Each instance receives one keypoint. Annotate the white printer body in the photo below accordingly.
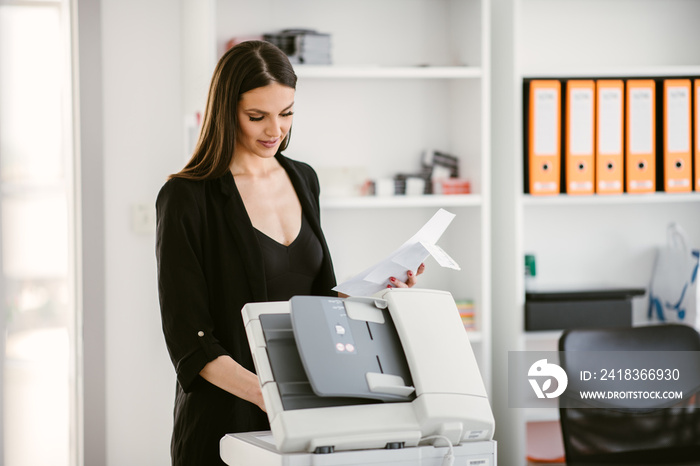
(388, 371)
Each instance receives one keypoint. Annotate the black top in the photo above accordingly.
(291, 270)
(210, 264)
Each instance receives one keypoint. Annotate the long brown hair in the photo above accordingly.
(246, 66)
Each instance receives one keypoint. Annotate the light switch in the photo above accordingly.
(143, 218)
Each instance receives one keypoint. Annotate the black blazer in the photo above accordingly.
(209, 266)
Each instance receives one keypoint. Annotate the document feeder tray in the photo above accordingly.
(319, 357)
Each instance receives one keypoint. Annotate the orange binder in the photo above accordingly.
(677, 160)
(697, 134)
(640, 156)
(544, 137)
(579, 151)
(609, 136)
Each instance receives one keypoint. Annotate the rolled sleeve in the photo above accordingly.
(189, 367)
(182, 287)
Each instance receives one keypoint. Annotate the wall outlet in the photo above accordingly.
(143, 218)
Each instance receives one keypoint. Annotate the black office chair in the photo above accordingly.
(652, 434)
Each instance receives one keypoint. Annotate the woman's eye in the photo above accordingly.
(290, 113)
(252, 118)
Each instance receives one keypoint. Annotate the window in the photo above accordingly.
(39, 318)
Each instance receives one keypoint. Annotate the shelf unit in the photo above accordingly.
(621, 199)
(378, 202)
(407, 76)
(576, 240)
(387, 72)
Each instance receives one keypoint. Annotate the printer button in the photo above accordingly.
(340, 330)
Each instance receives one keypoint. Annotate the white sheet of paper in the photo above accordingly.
(441, 256)
(407, 257)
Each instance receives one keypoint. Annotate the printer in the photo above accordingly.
(391, 371)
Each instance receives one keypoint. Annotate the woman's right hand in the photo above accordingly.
(410, 281)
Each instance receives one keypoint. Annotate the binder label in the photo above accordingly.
(581, 125)
(610, 124)
(641, 184)
(545, 186)
(677, 121)
(546, 115)
(581, 186)
(679, 182)
(641, 127)
(609, 185)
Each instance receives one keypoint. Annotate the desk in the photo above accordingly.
(258, 448)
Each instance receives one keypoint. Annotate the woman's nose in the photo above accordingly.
(274, 129)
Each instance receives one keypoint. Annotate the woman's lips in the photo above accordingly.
(269, 144)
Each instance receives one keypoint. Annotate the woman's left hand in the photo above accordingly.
(410, 281)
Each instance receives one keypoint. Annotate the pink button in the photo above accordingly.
(350, 347)
(340, 347)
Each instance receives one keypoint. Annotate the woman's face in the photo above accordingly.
(264, 120)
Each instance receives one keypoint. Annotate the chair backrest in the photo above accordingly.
(666, 435)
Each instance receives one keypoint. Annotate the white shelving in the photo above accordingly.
(387, 72)
(581, 240)
(629, 199)
(610, 71)
(407, 76)
(376, 202)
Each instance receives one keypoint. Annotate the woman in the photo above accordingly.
(240, 223)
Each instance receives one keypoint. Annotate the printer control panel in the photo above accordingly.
(338, 326)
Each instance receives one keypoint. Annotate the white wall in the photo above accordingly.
(142, 145)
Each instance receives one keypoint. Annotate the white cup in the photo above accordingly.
(384, 187)
(415, 186)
